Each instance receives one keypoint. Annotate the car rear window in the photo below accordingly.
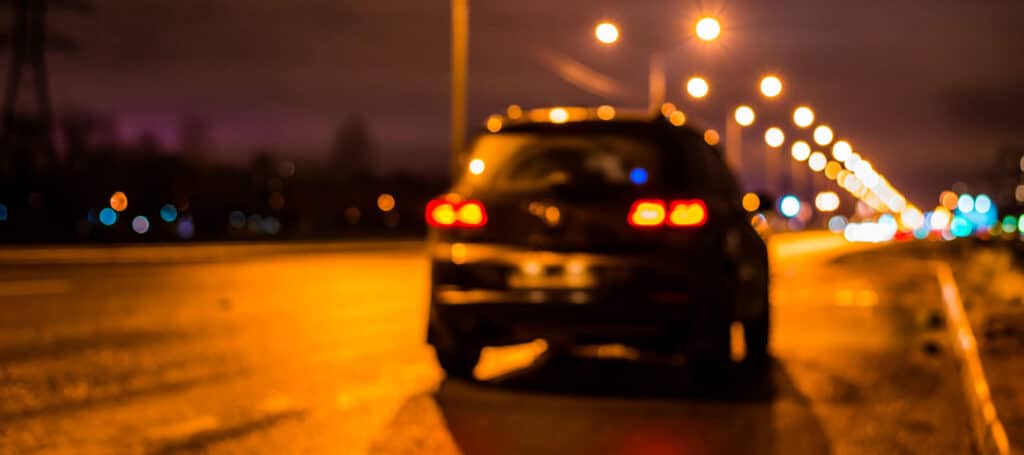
(532, 161)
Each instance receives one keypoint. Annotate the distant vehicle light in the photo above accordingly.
(140, 224)
(558, 115)
(647, 213)
(960, 227)
(605, 112)
(688, 213)
(108, 216)
(789, 206)
(445, 213)
(638, 176)
(940, 219)
(827, 201)
(837, 224)
(168, 213)
(119, 201)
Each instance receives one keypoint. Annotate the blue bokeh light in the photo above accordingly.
(3, 212)
(168, 213)
(638, 176)
(789, 206)
(960, 227)
(108, 216)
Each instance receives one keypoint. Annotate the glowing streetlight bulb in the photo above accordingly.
(745, 116)
(823, 135)
(607, 32)
(827, 201)
(801, 151)
(697, 87)
(803, 117)
(558, 115)
(771, 86)
(774, 137)
(708, 29)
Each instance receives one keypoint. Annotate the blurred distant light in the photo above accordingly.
(477, 166)
(119, 201)
(108, 216)
(817, 161)
(711, 137)
(605, 112)
(606, 32)
(771, 86)
(852, 161)
(759, 222)
(823, 135)
(774, 137)
(698, 87)
(386, 202)
(983, 203)
(1022, 163)
(801, 151)
(92, 216)
(3, 212)
(276, 200)
(140, 224)
(494, 123)
(168, 213)
(558, 115)
(514, 112)
(960, 227)
(841, 150)
(941, 218)
(678, 118)
(255, 222)
(803, 117)
(1020, 224)
(708, 29)
(667, 109)
(826, 201)
(271, 225)
(949, 200)
(882, 231)
(286, 168)
(751, 202)
(832, 170)
(638, 176)
(837, 223)
(912, 218)
(1010, 224)
(789, 206)
(236, 219)
(186, 228)
(1019, 193)
(965, 204)
(744, 116)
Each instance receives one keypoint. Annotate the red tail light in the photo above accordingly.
(647, 213)
(688, 213)
(446, 213)
(680, 213)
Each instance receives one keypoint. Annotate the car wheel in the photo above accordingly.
(458, 361)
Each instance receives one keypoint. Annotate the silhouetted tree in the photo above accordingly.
(194, 136)
(351, 154)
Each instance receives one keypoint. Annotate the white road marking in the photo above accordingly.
(34, 287)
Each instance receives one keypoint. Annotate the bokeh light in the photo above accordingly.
(801, 151)
(558, 115)
(744, 116)
(774, 137)
(677, 118)
(771, 86)
(605, 112)
(941, 218)
(186, 228)
(826, 201)
(823, 135)
(711, 137)
(119, 201)
(837, 223)
(949, 200)
(140, 224)
(832, 170)
(960, 227)
(697, 87)
(803, 117)
(789, 206)
(3, 212)
(477, 166)
(965, 204)
(494, 123)
(606, 32)
(708, 29)
(168, 213)
(514, 111)
(638, 176)
(982, 204)
(817, 161)
(751, 202)
(386, 202)
(842, 150)
(108, 216)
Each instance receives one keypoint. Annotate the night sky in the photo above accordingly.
(926, 90)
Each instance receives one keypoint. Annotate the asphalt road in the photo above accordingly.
(320, 350)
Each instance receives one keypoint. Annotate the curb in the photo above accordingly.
(987, 430)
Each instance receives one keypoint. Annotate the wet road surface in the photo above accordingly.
(323, 352)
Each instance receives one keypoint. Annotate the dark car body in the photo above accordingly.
(558, 250)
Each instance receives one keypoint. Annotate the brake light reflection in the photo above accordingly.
(447, 213)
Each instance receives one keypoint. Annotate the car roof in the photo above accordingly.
(584, 119)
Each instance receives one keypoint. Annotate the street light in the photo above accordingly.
(771, 86)
(774, 137)
(817, 161)
(842, 150)
(801, 151)
(708, 29)
(803, 116)
(823, 135)
(607, 32)
(697, 87)
(744, 116)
